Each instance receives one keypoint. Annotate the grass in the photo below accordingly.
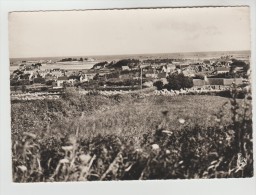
(137, 117)
(127, 136)
(127, 116)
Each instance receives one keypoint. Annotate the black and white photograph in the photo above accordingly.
(131, 94)
(127, 97)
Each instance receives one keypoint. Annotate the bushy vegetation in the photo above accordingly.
(130, 137)
(124, 62)
(179, 81)
(159, 85)
(158, 61)
(175, 82)
(100, 64)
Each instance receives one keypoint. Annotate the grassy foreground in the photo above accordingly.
(130, 137)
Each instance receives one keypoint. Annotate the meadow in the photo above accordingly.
(130, 137)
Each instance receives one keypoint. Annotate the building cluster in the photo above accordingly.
(33, 73)
(189, 68)
(56, 77)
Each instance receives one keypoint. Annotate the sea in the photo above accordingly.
(99, 58)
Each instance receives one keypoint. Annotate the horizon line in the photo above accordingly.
(131, 54)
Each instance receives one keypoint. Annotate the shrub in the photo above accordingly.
(39, 80)
(179, 81)
(159, 85)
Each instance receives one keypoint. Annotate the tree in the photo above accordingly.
(237, 63)
(23, 88)
(39, 80)
(158, 84)
(18, 72)
(49, 82)
(38, 65)
(179, 81)
(96, 77)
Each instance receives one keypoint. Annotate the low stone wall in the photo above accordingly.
(34, 96)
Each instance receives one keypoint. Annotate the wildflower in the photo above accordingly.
(181, 121)
(23, 168)
(32, 135)
(85, 158)
(155, 147)
(217, 120)
(72, 139)
(231, 132)
(64, 160)
(241, 161)
(139, 150)
(214, 162)
(67, 148)
(128, 168)
(167, 151)
(167, 132)
(84, 169)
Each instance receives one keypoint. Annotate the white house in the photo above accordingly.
(83, 78)
(61, 80)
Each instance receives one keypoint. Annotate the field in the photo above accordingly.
(131, 136)
(123, 115)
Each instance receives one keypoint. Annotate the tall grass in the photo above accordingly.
(125, 137)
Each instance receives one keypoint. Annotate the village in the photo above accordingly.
(118, 76)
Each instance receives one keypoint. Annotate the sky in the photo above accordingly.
(136, 31)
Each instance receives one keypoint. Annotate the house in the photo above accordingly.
(198, 82)
(91, 76)
(164, 80)
(125, 68)
(214, 81)
(125, 76)
(220, 70)
(83, 78)
(188, 73)
(61, 80)
(150, 74)
(237, 81)
(28, 72)
(68, 73)
(148, 84)
(72, 79)
(224, 62)
(49, 77)
(43, 73)
(57, 73)
(171, 67)
(97, 67)
(182, 65)
(168, 68)
(54, 84)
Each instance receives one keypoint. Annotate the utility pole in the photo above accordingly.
(141, 77)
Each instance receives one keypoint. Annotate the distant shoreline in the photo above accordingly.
(121, 56)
